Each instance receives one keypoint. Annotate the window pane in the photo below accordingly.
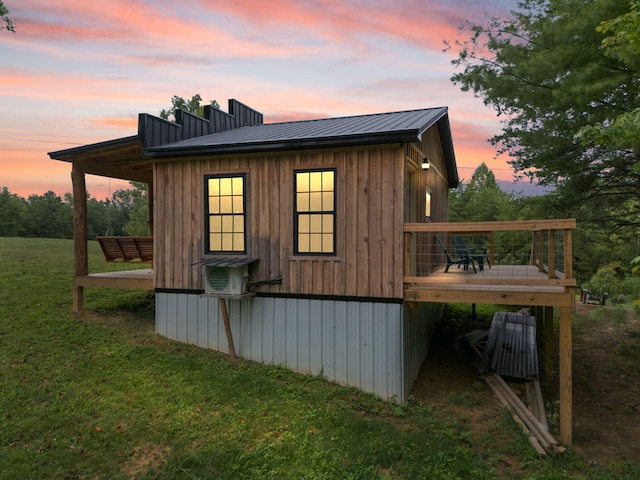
(238, 241)
(327, 243)
(227, 223)
(215, 224)
(303, 223)
(226, 205)
(237, 186)
(315, 202)
(303, 243)
(315, 242)
(214, 204)
(327, 201)
(225, 186)
(302, 182)
(315, 181)
(327, 181)
(238, 224)
(303, 202)
(214, 187)
(316, 223)
(327, 223)
(237, 205)
(227, 241)
(215, 241)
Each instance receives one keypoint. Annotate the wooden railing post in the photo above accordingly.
(407, 253)
(552, 254)
(568, 254)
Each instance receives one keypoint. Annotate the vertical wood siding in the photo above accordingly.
(370, 217)
(352, 343)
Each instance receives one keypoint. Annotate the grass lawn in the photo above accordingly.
(99, 395)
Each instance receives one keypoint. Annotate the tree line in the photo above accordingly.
(51, 216)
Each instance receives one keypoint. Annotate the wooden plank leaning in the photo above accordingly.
(509, 399)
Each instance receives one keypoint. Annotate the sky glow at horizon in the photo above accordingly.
(77, 72)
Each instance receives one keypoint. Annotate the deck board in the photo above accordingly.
(502, 285)
(137, 279)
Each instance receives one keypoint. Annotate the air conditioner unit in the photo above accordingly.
(225, 280)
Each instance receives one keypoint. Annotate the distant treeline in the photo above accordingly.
(51, 216)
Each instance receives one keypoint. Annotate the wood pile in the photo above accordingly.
(532, 416)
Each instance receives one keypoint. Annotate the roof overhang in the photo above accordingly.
(121, 158)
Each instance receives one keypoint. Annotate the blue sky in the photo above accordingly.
(78, 72)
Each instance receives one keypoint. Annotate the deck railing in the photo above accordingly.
(536, 252)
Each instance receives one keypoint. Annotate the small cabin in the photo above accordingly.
(283, 242)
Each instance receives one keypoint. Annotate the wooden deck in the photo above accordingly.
(137, 279)
(501, 285)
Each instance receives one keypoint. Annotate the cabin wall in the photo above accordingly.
(418, 182)
(369, 189)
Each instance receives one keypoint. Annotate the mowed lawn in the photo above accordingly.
(99, 395)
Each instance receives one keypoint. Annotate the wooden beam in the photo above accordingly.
(548, 344)
(103, 281)
(469, 227)
(227, 327)
(80, 255)
(565, 364)
(501, 296)
(491, 280)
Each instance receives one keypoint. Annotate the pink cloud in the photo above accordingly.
(123, 123)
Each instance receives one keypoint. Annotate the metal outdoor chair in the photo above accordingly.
(464, 251)
(464, 260)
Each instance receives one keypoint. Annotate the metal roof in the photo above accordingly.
(406, 126)
(131, 158)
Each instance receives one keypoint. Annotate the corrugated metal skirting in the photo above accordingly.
(511, 346)
(362, 344)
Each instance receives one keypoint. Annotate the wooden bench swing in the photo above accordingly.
(127, 249)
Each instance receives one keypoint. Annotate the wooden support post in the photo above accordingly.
(150, 209)
(407, 254)
(80, 255)
(227, 326)
(566, 398)
(548, 344)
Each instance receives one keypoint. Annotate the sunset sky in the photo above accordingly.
(78, 72)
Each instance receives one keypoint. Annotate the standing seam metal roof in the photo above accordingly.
(398, 126)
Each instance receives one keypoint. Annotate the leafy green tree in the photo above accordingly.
(193, 106)
(4, 15)
(543, 70)
(138, 225)
(622, 42)
(12, 214)
(49, 216)
(480, 200)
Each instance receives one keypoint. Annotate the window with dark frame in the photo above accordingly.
(225, 213)
(315, 212)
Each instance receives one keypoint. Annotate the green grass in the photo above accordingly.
(99, 395)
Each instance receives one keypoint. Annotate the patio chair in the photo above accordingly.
(464, 260)
(463, 250)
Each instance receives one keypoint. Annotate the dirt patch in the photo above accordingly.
(144, 459)
(606, 389)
